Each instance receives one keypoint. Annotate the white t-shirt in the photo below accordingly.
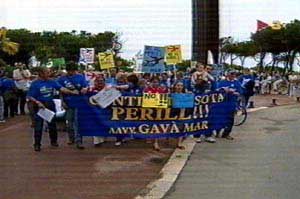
(21, 78)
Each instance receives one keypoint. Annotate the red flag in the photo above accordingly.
(261, 25)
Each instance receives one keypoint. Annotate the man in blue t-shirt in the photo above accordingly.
(75, 82)
(1, 102)
(247, 82)
(41, 93)
(233, 86)
(8, 90)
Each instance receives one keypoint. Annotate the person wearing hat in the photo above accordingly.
(41, 93)
(75, 82)
(232, 86)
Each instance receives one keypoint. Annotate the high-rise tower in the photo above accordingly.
(205, 29)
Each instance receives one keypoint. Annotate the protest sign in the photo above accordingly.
(46, 114)
(182, 100)
(106, 60)
(138, 58)
(173, 54)
(56, 62)
(127, 117)
(153, 61)
(155, 100)
(105, 97)
(86, 55)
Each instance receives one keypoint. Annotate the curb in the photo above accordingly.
(170, 172)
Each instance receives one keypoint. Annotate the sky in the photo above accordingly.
(142, 22)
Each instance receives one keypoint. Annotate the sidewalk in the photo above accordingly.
(262, 162)
(266, 100)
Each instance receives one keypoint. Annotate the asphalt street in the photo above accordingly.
(263, 162)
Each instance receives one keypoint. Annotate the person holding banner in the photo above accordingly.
(233, 86)
(155, 87)
(99, 84)
(75, 82)
(41, 93)
(178, 87)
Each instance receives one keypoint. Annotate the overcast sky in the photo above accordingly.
(142, 22)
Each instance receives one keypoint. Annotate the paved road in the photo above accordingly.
(263, 161)
(107, 172)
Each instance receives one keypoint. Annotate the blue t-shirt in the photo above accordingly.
(74, 82)
(43, 90)
(236, 85)
(111, 81)
(7, 85)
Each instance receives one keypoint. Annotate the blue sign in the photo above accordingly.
(154, 60)
(182, 100)
(127, 118)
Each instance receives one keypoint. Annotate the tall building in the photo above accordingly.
(205, 29)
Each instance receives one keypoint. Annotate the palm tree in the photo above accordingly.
(6, 45)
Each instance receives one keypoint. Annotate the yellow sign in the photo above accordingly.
(277, 25)
(173, 54)
(106, 60)
(155, 100)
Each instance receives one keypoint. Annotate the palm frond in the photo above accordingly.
(3, 32)
(9, 47)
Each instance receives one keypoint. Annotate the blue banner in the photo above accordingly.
(126, 117)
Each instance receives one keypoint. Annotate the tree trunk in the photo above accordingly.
(261, 61)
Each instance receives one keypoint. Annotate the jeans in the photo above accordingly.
(38, 129)
(21, 101)
(9, 107)
(229, 125)
(1, 108)
(72, 126)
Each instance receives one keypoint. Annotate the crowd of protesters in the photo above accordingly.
(39, 88)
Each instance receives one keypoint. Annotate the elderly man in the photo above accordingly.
(21, 75)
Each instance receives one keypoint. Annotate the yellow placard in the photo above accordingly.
(155, 100)
(106, 60)
(173, 54)
(277, 25)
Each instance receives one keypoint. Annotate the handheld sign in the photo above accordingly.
(46, 114)
(106, 97)
(106, 60)
(182, 100)
(87, 55)
(155, 100)
(153, 61)
(173, 54)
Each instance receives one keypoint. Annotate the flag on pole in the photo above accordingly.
(261, 25)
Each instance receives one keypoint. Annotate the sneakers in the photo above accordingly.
(37, 148)
(70, 142)
(229, 137)
(210, 140)
(118, 143)
(199, 140)
(79, 146)
(54, 144)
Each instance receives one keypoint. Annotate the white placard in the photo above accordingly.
(60, 111)
(106, 97)
(46, 114)
(87, 55)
